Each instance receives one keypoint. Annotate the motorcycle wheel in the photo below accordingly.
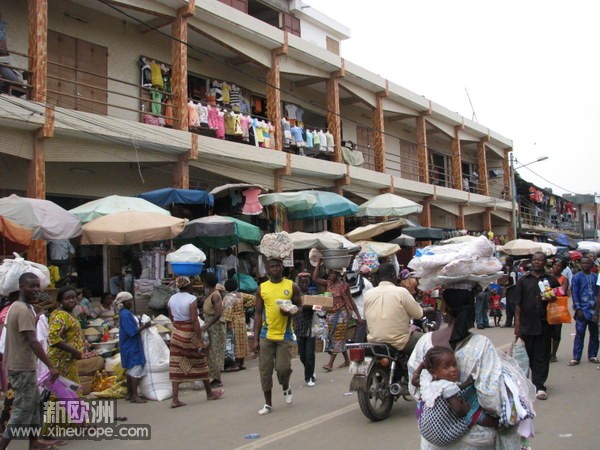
(376, 401)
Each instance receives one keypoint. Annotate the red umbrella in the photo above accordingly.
(13, 237)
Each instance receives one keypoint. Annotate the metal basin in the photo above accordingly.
(336, 262)
(335, 252)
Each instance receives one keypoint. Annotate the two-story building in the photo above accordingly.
(126, 96)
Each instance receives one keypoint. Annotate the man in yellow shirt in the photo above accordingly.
(273, 337)
(388, 310)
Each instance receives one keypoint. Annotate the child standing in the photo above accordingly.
(449, 409)
(495, 307)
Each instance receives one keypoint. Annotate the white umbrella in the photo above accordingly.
(522, 247)
(369, 231)
(302, 240)
(44, 218)
(389, 204)
(292, 201)
(225, 188)
(113, 204)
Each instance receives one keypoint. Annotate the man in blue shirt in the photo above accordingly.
(584, 291)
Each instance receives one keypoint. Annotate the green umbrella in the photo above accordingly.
(220, 232)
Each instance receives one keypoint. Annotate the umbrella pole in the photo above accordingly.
(105, 267)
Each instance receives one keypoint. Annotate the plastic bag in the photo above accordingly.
(155, 351)
(319, 326)
(558, 311)
(12, 269)
(519, 353)
(156, 386)
(160, 297)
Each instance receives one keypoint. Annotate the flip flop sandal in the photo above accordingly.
(594, 360)
(573, 362)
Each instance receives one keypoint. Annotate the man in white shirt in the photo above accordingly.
(388, 310)
(230, 260)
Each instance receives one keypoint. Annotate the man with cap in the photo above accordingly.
(273, 335)
(130, 345)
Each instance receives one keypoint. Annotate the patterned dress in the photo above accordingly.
(337, 318)
(234, 311)
(64, 327)
(217, 334)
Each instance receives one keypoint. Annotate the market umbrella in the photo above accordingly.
(404, 241)
(522, 247)
(369, 231)
(114, 204)
(328, 206)
(302, 240)
(424, 233)
(389, 204)
(168, 196)
(220, 232)
(562, 239)
(46, 219)
(292, 201)
(13, 237)
(382, 249)
(131, 227)
(588, 246)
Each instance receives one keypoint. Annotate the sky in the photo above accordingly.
(531, 69)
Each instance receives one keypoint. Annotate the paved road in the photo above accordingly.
(323, 417)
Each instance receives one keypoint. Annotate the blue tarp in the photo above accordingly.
(168, 196)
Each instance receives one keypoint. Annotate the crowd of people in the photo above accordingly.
(47, 336)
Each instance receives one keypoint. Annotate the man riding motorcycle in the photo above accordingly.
(388, 310)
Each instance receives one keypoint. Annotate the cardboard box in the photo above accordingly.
(319, 300)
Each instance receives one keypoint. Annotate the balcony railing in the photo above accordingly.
(533, 216)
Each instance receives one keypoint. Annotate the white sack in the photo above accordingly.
(156, 386)
(187, 253)
(12, 269)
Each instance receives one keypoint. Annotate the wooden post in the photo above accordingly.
(422, 149)
(426, 213)
(37, 22)
(284, 171)
(506, 175)
(460, 218)
(334, 122)
(379, 129)
(457, 160)
(274, 93)
(487, 220)
(482, 167)
(179, 69)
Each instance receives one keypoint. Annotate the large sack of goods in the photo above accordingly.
(12, 269)
(472, 260)
(156, 384)
(276, 245)
(187, 253)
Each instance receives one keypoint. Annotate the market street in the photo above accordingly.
(326, 418)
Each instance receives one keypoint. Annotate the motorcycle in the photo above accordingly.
(380, 374)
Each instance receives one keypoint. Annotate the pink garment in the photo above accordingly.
(244, 125)
(220, 125)
(252, 206)
(213, 117)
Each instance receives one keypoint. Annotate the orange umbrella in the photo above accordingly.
(13, 237)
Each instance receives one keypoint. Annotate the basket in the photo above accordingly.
(336, 262)
(335, 252)
(186, 269)
(86, 384)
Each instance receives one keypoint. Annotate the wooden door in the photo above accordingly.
(77, 74)
(92, 70)
(364, 144)
(62, 59)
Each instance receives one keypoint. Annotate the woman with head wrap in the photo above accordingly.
(216, 327)
(476, 356)
(187, 360)
(130, 345)
(408, 282)
(338, 316)
(235, 304)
